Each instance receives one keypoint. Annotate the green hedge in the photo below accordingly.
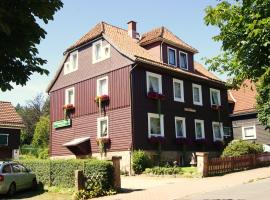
(61, 172)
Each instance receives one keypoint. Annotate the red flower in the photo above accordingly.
(156, 96)
(102, 98)
(104, 140)
(68, 107)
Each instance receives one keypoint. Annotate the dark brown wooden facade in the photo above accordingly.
(13, 142)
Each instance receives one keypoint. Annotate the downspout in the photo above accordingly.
(132, 117)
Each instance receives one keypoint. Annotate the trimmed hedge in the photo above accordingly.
(61, 172)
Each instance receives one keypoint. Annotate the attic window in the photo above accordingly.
(171, 56)
(99, 52)
(72, 65)
(183, 60)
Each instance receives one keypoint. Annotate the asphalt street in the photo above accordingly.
(254, 190)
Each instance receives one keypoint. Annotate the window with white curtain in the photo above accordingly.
(197, 94)
(102, 127)
(199, 129)
(180, 127)
(102, 86)
(178, 90)
(171, 56)
(155, 125)
(217, 131)
(70, 96)
(183, 60)
(215, 96)
(154, 82)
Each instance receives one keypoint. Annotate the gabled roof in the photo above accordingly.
(163, 33)
(9, 118)
(201, 70)
(130, 48)
(244, 98)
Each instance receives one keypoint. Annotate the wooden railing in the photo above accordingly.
(216, 166)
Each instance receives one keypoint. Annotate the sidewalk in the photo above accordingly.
(154, 188)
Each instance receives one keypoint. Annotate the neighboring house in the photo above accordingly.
(244, 115)
(154, 88)
(10, 127)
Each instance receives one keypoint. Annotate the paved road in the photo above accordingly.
(258, 190)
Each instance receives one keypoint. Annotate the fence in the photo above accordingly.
(216, 166)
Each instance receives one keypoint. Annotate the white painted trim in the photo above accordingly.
(161, 118)
(182, 99)
(66, 96)
(215, 90)
(94, 60)
(200, 103)
(202, 125)
(221, 131)
(98, 126)
(77, 61)
(184, 126)
(180, 59)
(107, 85)
(170, 48)
(232, 96)
(103, 50)
(66, 69)
(249, 138)
(159, 81)
(7, 138)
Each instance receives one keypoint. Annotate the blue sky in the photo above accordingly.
(184, 18)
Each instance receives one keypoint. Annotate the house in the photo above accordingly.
(10, 127)
(244, 115)
(135, 92)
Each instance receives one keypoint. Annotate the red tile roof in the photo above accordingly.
(9, 117)
(201, 70)
(244, 98)
(163, 33)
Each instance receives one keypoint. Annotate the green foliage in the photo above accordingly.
(60, 173)
(87, 194)
(245, 36)
(44, 153)
(241, 147)
(28, 151)
(181, 171)
(41, 135)
(140, 161)
(20, 32)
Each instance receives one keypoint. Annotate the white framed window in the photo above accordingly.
(199, 129)
(183, 60)
(155, 125)
(103, 127)
(72, 64)
(171, 56)
(217, 128)
(154, 82)
(215, 97)
(102, 86)
(100, 52)
(197, 94)
(180, 127)
(70, 96)
(249, 132)
(178, 90)
(3, 139)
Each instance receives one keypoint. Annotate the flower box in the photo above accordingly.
(157, 139)
(155, 96)
(103, 140)
(103, 100)
(69, 107)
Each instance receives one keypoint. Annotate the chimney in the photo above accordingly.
(132, 31)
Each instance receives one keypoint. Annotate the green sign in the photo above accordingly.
(61, 123)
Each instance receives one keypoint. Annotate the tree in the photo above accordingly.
(19, 35)
(245, 35)
(41, 135)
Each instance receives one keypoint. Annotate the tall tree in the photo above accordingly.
(19, 35)
(245, 35)
(41, 135)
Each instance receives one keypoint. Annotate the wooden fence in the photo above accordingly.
(216, 166)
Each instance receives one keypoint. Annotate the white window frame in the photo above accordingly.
(71, 57)
(202, 125)
(200, 103)
(180, 59)
(98, 126)
(98, 85)
(182, 99)
(159, 81)
(103, 50)
(66, 95)
(7, 139)
(168, 57)
(218, 91)
(161, 118)
(249, 138)
(94, 60)
(184, 126)
(67, 69)
(221, 131)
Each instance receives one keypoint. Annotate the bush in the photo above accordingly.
(43, 153)
(240, 147)
(163, 171)
(140, 161)
(61, 172)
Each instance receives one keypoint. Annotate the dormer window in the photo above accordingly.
(72, 65)
(99, 52)
(171, 56)
(183, 60)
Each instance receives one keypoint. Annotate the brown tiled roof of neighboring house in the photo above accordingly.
(162, 33)
(201, 70)
(9, 118)
(129, 47)
(244, 98)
